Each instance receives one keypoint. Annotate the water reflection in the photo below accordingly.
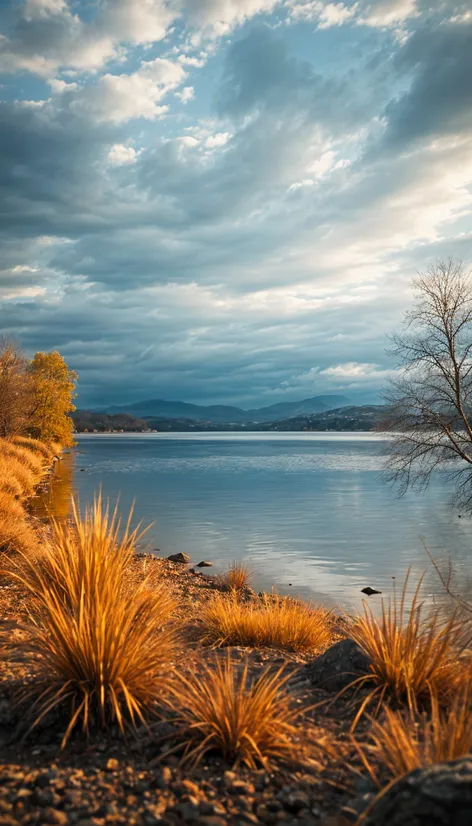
(307, 512)
(55, 498)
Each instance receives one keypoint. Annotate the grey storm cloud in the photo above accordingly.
(439, 100)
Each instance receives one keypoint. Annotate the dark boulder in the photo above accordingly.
(339, 666)
(439, 795)
(180, 557)
(204, 564)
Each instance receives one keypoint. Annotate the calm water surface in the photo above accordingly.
(308, 512)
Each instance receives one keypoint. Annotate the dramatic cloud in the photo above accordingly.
(226, 199)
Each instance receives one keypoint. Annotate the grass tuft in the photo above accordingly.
(401, 743)
(14, 471)
(35, 446)
(248, 721)
(101, 650)
(272, 622)
(24, 456)
(414, 653)
(16, 533)
(238, 577)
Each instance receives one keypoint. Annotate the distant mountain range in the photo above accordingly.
(349, 418)
(220, 413)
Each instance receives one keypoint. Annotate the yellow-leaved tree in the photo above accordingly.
(53, 389)
(14, 389)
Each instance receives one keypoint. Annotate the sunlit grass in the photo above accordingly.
(413, 651)
(237, 577)
(248, 721)
(403, 742)
(24, 456)
(101, 650)
(14, 471)
(16, 533)
(272, 621)
(35, 446)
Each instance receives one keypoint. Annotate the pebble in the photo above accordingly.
(56, 816)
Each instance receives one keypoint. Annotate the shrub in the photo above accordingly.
(414, 652)
(274, 622)
(101, 650)
(401, 743)
(249, 721)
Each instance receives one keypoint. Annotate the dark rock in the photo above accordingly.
(339, 666)
(439, 795)
(370, 591)
(180, 557)
(204, 564)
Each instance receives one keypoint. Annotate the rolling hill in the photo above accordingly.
(217, 414)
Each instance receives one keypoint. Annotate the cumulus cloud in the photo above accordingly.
(120, 98)
(120, 155)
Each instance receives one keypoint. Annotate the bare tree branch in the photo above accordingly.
(431, 399)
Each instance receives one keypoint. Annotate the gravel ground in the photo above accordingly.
(105, 780)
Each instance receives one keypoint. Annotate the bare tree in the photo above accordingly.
(14, 389)
(431, 398)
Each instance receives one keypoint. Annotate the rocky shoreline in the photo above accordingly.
(105, 780)
(140, 780)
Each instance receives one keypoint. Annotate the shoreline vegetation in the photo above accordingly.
(138, 690)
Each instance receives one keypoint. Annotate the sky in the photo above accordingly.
(226, 200)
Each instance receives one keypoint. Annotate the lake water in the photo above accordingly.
(308, 512)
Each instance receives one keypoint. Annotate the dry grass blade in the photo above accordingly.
(237, 577)
(401, 743)
(247, 721)
(272, 622)
(414, 653)
(99, 649)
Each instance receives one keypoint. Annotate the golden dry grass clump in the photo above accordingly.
(35, 446)
(403, 742)
(24, 456)
(237, 577)
(17, 476)
(272, 622)
(414, 651)
(16, 533)
(248, 721)
(21, 469)
(100, 651)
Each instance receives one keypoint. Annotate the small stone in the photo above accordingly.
(229, 777)
(240, 787)
(204, 564)
(180, 557)
(212, 820)
(112, 764)
(56, 816)
(42, 780)
(207, 807)
(294, 801)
